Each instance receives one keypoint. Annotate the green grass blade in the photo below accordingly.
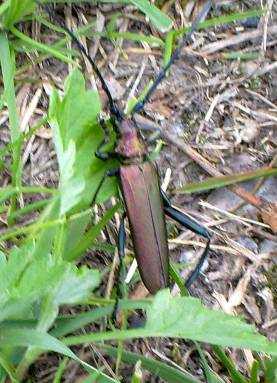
(8, 367)
(217, 182)
(158, 18)
(60, 370)
(225, 20)
(165, 372)
(7, 61)
(42, 47)
(91, 235)
(229, 365)
(68, 324)
(211, 377)
(128, 36)
(16, 10)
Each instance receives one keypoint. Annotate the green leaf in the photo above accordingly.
(210, 375)
(16, 10)
(7, 62)
(88, 239)
(158, 18)
(6, 193)
(72, 184)
(30, 337)
(48, 49)
(229, 365)
(270, 369)
(76, 285)
(187, 318)
(33, 338)
(25, 278)
(77, 134)
(8, 367)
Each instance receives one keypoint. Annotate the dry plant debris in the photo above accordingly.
(218, 116)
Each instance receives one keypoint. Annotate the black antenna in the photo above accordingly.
(113, 108)
(140, 104)
(162, 73)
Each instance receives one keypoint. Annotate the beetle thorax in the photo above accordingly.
(130, 144)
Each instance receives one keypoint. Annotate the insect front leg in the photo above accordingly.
(195, 227)
(102, 155)
(108, 173)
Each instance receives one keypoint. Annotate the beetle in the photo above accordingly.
(145, 203)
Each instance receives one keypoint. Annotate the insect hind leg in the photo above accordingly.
(195, 227)
(120, 291)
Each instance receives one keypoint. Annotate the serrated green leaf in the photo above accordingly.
(32, 338)
(187, 318)
(76, 285)
(72, 184)
(25, 279)
(77, 134)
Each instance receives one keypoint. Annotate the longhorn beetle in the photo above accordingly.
(145, 203)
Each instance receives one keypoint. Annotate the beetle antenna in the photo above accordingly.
(113, 108)
(162, 73)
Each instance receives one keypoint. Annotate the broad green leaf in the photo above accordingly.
(16, 10)
(187, 318)
(71, 184)
(77, 135)
(76, 285)
(29, 337)
(25, 279)
(12, 269)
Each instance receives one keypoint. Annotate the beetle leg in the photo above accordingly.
(153, 138)
(121, 253)
(108, 173)
(102, 155)
(153, 129)
(192, 225)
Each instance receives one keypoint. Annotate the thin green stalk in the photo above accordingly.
(44, 225)
(234, 373)
(42, 47)
(7, 61)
